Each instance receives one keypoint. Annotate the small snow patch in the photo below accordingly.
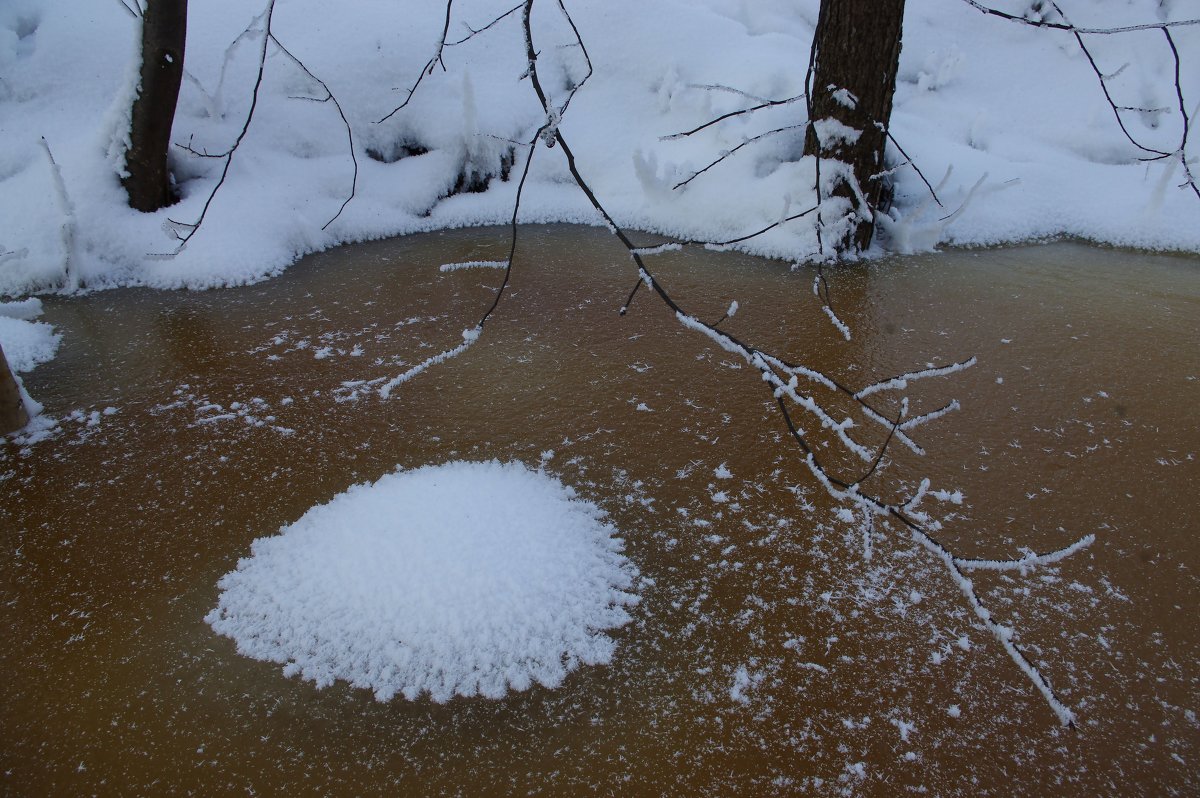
(459, 579)
(743, 682)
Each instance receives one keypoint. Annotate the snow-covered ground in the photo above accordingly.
(983, 97)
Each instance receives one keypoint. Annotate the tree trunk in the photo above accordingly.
(12, 409)
(164, 30)
(856, 48)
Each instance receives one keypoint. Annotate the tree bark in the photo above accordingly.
(164, 31)
(12, 409)
(856, 48)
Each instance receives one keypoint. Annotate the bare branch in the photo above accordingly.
(1078, 33)
(913, 164)
(730, 89)
(783, 380)
(136, 14)
(194, 227)
(433, 62)
(475, 32)
(349, 134)
(1067, 27)
(731, 114)
(1183, 142)
(728, 153)
(268, 37)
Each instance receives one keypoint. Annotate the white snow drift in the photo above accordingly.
(978, 99)
(458, 579)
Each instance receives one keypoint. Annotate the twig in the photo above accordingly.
(728, 153)
(767, 367)
(731, 114)
(1183, 141)
(131, 11)
(432, 63)
(193, 227)
(349, 134)
(782, 379)
(1078, 33)
(268, 38)
(475, 32)
(910, 162)
(1067, 27)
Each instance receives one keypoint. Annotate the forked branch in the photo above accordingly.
(789, 384)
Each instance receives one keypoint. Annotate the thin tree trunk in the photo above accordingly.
(164, 30)
(12, 409)
(856, 48)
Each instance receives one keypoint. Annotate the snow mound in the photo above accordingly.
(26, 343)
(456, 579)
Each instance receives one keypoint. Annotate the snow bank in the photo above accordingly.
(27, 343)
(458, 579)
(981, 95)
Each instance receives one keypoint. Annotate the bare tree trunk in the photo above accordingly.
(856, 52)
(12, 409)
(164, 30)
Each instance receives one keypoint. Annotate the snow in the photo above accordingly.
(26, 344)
(467, 578)
(975, 97)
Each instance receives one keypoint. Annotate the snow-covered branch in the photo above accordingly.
(792, 385)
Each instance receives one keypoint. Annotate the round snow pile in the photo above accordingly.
(463, 578)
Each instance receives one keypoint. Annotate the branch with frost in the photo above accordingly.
(472, 335)
(728, 89)
(184, 231)
(547, 134)
(783, 379)
(1030, 559)
(1183, 142)
(772, 370)
(715, 246)
(823, 294)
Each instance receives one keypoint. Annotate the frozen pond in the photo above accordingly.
(766, 655)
